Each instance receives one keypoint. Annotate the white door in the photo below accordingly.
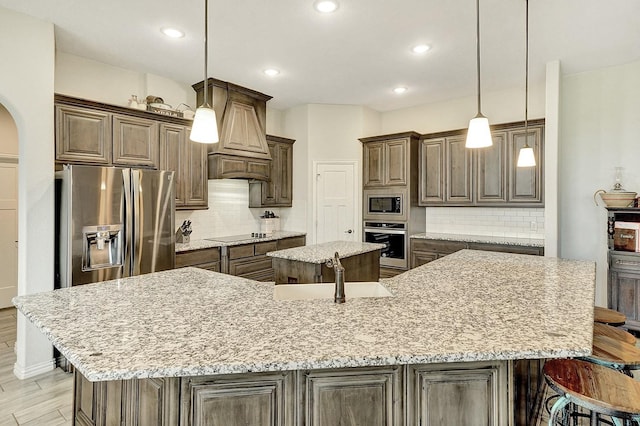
(335, 207)
(8, 233)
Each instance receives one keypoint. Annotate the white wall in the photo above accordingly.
(88, 79)
(26, 91)
(599, 130)
(8, 135)
(500, 107)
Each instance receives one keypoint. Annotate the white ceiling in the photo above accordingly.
(353, 56)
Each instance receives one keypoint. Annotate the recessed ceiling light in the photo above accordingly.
(172, 32)
(326, 6)
(420, 48)
(271, 72)
(399, 90)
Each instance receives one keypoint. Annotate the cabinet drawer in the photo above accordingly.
(624, 261)
(286, 243)
(437, 246)
(267, 246)
(197, 257)
(238, 252)
(242, 267)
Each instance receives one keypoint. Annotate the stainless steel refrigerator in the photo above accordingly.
(113, 222)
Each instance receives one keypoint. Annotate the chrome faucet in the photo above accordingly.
(338, 269)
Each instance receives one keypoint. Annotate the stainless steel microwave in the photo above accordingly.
(384, 205)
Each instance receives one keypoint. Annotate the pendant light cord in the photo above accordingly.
(206, 51)
(478, 51)
(526, 76)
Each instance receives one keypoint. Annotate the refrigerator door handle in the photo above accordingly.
(135, 212)
(128, 215)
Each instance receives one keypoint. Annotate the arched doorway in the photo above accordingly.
(8, 208)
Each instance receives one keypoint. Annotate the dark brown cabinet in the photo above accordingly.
(90, 132)
(387, 159)
(452, 175)
(189, 162)
(135, 141)
(458, 395)
(361, 396)
(208, 258)
(427, 250)
(624, 286)
(278, 190)
(82, 135)
(261, 399)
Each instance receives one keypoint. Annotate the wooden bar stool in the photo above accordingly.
(608, 316)
(615, 354)
(615, 333)
(593, 387)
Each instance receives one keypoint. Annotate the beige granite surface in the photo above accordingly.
(320, 253)
(471, 305)
(210, 243)
(513, 241)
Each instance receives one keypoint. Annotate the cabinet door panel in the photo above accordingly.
(470, 396)
(628, 294)
(371, 397)
(153, 402)
(419, 258)
(135, 141)
(83, 135)
(491, 171)
(458, 171)
(525, 183)
(431, 170)
(373, 164)
(250, 266)
(240, 400)
(395, 159)
(196, 183)
(285, 178)
(172, 151)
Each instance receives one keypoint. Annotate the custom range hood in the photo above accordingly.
(242, 152)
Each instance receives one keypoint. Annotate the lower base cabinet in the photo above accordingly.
(462, 394)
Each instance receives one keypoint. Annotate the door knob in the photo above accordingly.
(349, 231)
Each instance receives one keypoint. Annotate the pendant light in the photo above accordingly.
(526, 158)
(205, 126)
(479, 134)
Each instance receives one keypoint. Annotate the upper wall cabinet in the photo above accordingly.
(90, 132)
(387, 159)
(452, 175)
(278, 190)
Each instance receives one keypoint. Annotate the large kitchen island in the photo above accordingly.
(193, 347)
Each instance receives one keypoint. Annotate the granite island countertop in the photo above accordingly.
(511, 241)
(468, 306)
(212, 242)
(320, 253)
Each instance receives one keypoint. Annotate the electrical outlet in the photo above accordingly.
(534, 225)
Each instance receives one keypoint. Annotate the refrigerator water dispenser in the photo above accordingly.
(102, 247)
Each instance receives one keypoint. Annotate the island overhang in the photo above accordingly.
(468, 306)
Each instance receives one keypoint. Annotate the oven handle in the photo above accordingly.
(384, 231)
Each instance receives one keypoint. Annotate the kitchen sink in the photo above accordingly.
(326, 291)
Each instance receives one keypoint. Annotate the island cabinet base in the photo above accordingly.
(462, 394)
(361, 267)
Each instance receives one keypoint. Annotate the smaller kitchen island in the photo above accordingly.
(192, 347)
(304, 265)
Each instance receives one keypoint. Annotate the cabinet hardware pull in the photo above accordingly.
(624, 262)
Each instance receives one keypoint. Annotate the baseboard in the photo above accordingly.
(34, 370)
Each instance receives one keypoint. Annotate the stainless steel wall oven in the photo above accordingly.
(394, 237)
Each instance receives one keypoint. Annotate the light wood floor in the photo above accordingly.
(44, 400)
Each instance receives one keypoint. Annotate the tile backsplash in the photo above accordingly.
(228, 212)
(493, 221)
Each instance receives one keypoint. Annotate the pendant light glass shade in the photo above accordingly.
(526, 158)
(205, 126)
(479, 134)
